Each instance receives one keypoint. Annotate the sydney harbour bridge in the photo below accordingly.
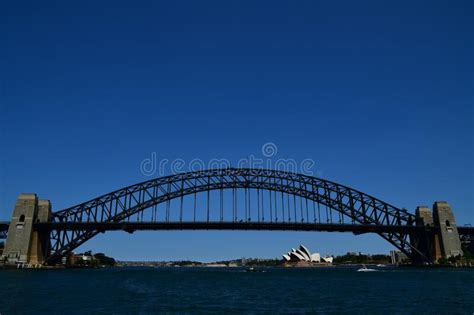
(229, 199)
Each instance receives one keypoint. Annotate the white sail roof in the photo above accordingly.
(297, 255)
(302, 253)
(316, 257)
(305, 251)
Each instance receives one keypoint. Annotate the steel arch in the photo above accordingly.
(117, 206)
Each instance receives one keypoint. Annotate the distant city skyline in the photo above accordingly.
(379, 96)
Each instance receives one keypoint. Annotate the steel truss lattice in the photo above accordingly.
(120, 205)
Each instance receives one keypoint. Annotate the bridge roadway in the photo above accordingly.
(244, 226)
(268, 226)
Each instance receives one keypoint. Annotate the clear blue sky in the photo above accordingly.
(379, 94)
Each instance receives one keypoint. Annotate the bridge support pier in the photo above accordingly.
(440, 238)
(24, 244)
(449, 240)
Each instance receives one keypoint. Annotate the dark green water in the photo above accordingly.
(231, 290)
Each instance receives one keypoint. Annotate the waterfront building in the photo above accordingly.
(74, 259)
(397, 257)
(302, 254)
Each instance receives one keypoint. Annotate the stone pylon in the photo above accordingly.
(441, 237)
(23, 243)
(449, 240)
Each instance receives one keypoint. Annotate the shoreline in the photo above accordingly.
(216, 266)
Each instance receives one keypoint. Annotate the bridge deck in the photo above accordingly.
(269, 226)
(133, 226)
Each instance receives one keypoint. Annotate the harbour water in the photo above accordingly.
(233, 290)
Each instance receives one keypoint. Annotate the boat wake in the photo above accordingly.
(365, 269)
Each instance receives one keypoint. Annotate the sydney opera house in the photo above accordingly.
(302, 254)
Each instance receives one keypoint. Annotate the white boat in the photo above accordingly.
(381, 265)
(365, 269)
